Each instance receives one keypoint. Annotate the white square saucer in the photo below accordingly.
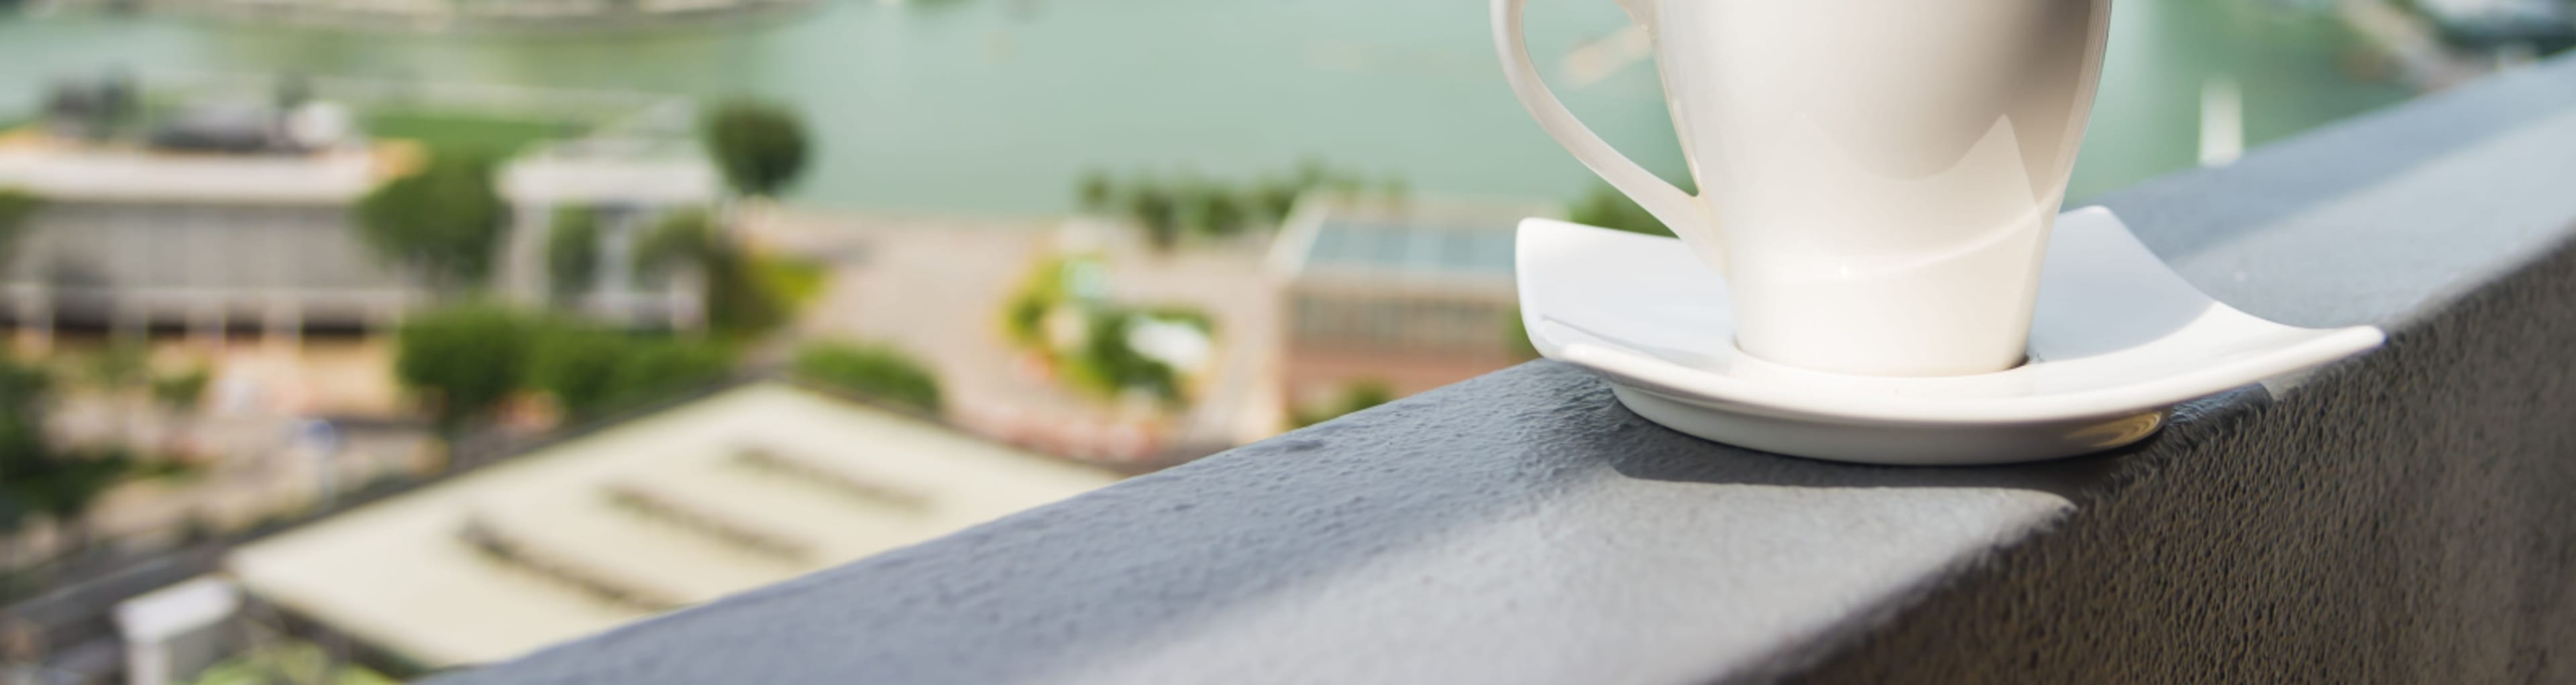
(2116, 341)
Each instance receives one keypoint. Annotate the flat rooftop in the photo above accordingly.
(1435, 238)
(742, 489)
(71, 171)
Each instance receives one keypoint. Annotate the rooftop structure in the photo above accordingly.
(1413, 294)
(133, 238)
(742, 489)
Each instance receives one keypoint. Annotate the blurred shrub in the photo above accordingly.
(592, 371)
(572, 251)
(15, 207)
(874, 371)
(1089, 340)
(470, 358)
(22, 405)
(36, 477)
(742, 294)
(465, 359)
(443, 218)
(760, 147)
(1169, 211)
(180, 391)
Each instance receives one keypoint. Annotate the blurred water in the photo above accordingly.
(995, 105)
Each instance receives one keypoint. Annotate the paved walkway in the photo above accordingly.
(935, 287)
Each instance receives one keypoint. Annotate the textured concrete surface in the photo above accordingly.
(2405, 517)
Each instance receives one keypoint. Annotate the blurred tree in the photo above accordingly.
(739, 302)
(1095, 191)
(22, 427)
(578, 365)
(1606, 207)
(656, 368)
(1155, 211)
(682, 238)
(465, 359)
(180, 391)
(1220, 213)
(15, 207)
(760, 147)
(1272, 199)
(874, 371)
(572, 252)
(121, 364)
(444, 219)
(592, 371)
(35, 478)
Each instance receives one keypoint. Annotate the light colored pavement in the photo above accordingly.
(935, 287)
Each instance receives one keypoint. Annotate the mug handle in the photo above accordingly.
(1679, 210)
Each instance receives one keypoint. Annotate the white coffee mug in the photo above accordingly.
(1878, 176)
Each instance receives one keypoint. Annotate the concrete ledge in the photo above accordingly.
(2410, 516)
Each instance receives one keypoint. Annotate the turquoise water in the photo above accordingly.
(994, 106)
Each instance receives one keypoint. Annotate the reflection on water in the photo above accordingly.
(995, 106)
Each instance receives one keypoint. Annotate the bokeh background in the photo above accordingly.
(356, 340)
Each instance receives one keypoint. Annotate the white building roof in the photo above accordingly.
(743, 489)
(157, 615)
(1451, 239)
(87, 174)
(549, 180)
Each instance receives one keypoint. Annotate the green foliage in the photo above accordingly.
(683, 237)
(444, 218)
(464, 131)
(15, 207)
(793, 281)
(572, 251)
(1155, 210)
(287, 662)
(760, 147)
(1356, 397)
(22, 434)
(181, 390)
(1107, 362)
(1095, 191)
(593, 371)
(465, 359)
(874, 371)
(579, 366)
(742, 299)
(1606, 207)
(653, 369)
(1168, 212)
(36, 478)
(470, 358)
(120, 364)
(1024, 317)
(1101, 359)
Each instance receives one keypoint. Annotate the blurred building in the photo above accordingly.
(1412, 294)
(238, 218)
(739, 490)
(630, 184)
(142, 238)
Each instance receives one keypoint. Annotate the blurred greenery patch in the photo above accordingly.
(874, 371)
